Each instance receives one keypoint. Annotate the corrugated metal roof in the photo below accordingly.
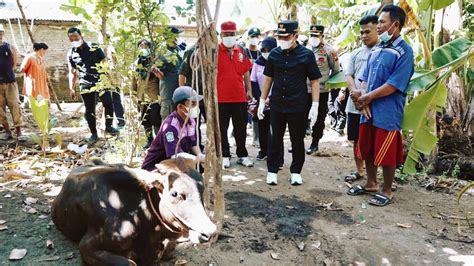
(38, 11)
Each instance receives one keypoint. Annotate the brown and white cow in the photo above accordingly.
(124, 216)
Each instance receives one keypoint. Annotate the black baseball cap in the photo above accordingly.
(287, 27)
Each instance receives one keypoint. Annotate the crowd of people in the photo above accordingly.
(275, 80)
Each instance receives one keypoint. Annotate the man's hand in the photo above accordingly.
(157, 72)
(249, 95)
(355, 94)
(261, 108)
(366, 112)
(72, 93)
(364, 99)
(313, 113)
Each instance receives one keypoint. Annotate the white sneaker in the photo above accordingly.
(245, 161)
(272, 178)
(226, 162)
(296, 179)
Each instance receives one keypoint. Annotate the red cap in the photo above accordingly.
(228, 26)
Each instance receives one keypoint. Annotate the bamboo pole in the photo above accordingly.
(20, 7)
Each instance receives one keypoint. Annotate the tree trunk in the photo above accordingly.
(206, 54)
(20, 7)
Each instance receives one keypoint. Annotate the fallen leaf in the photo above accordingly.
(359, 263)
(2, 221)
(49, 244)
(32, 211)
(70, 255)
(290, 207)
(42, 216)
(301, 246)
(3, 227)
(274, 256)
(17, 254)
(7, 196)
(316, 244)
(28, 201)
(406, 226)
(53, 258)
(180, 262)
(328, 262)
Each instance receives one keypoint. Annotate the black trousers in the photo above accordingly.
(151, 118)
(118, 108)
(264, 133)
(202, 112)
(318, 127)
(90, 102)
(238, 113)
(296, 125)
(337, 109)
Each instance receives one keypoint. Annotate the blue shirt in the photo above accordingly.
(7, 74)
(164, 145)
(290, 69)
(390, 63)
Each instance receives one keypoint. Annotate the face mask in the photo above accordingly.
(285, 44)
(229, 41)
(144, 52)
(77, 44)
(385, 37)
(315, 41)
(265, 55)
(253, 41)
(193, 112)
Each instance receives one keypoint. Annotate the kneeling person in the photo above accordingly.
(164, 145)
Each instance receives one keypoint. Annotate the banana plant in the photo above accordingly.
(40, 111)
(419, 119)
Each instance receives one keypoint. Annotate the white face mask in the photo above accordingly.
(193, 112)
(253, 41)
(77, 44)
(385, 37)
(229, 41)
(285, 44)
(265, 55)
(315, 41)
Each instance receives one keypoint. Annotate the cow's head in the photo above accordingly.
(180, 188)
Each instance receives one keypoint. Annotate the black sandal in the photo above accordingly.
(354, 176)
(357, 190)
(380, 200)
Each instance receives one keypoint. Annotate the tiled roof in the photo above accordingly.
(43, 11)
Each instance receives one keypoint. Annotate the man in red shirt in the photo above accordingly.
(233, 91)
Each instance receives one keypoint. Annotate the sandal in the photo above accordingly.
(380, 200)
(358, 190)
(353, 177)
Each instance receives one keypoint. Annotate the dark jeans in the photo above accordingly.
(337, 110)
(151, 118)
(296, 123)
(238, 113)
(118, 108)
(318, 128)
(90, 102)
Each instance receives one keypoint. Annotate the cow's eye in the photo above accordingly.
(174, 194)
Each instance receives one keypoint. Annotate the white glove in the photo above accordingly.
(313, 113)
(261, 107)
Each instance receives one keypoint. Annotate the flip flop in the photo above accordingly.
(357, 190)
(380, 200)
(352, 177)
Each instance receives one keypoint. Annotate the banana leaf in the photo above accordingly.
(437, 4)
(40, 112)
(418, 122)
(451, 51)
(346, 37)
(336, 81)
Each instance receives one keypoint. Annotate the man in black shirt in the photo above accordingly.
(83, 58)
(288, 67)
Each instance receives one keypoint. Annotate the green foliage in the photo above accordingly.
(435, 4)
(336, 81)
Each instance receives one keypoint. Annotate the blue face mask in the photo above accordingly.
(385, 37)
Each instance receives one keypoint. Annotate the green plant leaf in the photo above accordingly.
(420, 81)
(59, 139)
(451, 51)
(336, 81)
(40, 112)
(437, 4)
(36, 139)
(346, 37)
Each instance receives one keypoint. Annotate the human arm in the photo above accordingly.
(72, 77)
(14, 56)
(181, 80)
(248, 86)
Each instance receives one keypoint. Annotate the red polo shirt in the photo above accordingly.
(230, 75)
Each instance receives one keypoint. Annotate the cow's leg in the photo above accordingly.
(90, 247)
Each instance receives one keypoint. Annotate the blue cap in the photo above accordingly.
(287, 27)
(269, 42)
(186, 93)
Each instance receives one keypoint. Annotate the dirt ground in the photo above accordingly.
(312, 224)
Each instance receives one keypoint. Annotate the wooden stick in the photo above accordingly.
(53, 92)
(25, 21)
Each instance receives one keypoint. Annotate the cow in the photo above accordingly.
(125, 216)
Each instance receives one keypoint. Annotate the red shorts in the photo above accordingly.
(383, 147)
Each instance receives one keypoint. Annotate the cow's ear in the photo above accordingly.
(171, 178)
(158, 185)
